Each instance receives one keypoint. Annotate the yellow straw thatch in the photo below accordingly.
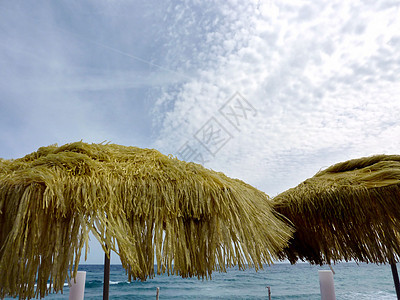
(351, 210)
(147, 207)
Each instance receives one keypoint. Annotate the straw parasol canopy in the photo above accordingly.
(147, 207)
(349, 211)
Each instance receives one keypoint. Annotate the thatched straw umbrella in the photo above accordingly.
(149, 208)
(349, 211)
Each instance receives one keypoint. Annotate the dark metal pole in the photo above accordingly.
(395, 279)
(106, 284)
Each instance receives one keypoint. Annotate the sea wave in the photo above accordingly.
(298, 282)
(368, 295)
(97, 283)
(48, 285)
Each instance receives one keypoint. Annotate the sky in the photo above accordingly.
(269, 92)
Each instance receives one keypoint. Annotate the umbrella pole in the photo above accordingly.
(106, 284)
(395, 279)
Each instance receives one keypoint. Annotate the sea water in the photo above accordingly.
(300, 281)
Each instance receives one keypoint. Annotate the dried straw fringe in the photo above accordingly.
(136, 202)
(349, 211)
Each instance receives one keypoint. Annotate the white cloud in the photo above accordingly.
(323, 78)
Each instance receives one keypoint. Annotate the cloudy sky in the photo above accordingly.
(266, 91)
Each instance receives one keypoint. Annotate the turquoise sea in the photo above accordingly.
(300, 281)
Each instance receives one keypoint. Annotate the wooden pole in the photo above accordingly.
(158, 293)
(269, 292)
(106, 284)
(395, 279)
